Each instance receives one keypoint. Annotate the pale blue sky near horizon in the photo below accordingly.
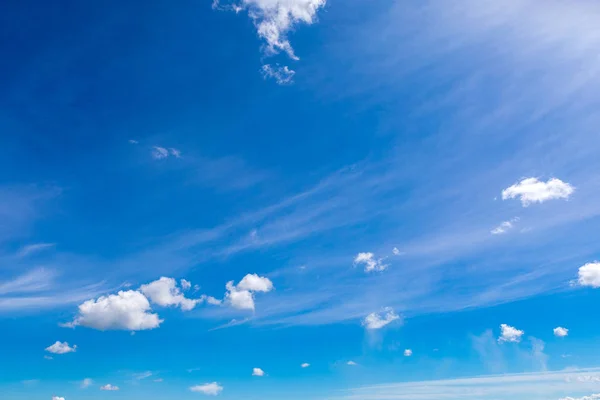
(300, 199)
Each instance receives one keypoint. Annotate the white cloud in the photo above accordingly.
(531, 190)
(142, 375)
(304, 365)
(351, 363)
(242, 295)
(175, 152)
(48, 357)
(210, 389)
(282, 75)
(561, 332)
(86, 383)
(379, 320)
(159, 153)
(510, 334)
(408, 353)
(34, 248)
(589, 274)
(274, 19)
(61, 348)
(590, 397)
(213, 301)
(255, 283)
(504, 226)
(165, 292)
(185, 284)
(370, 263)
(258, 372)
(132, 141)
(109, 387)
(396, 252)
(57, 398)
(126, 310)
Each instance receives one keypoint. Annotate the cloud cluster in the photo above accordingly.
(61, 348)
(379, 320)
(509, 334)
(210, 389)
(241, 296)
(370, 262)
(532, 190)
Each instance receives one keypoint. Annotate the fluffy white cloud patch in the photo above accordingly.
(258, 372)
(510, 334)
(589, 274)
(109, 388)
(504, 226)
(241, 296)
(408, 353)
(532, 190)
(61, 348)
(274, 19)
(561, 332)
(86, 383)
(282, 75)
(57, 398)
(185, 284)
(304, 365)
(210, 389)
(379, 320)
(351, 363)
(165, 292)
(370, 262)
(126, 310)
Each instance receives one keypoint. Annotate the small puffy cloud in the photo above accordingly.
(126, 310)
(589, 275)
(213, 301)
(61, 348)
(159, 153)
(109, 387)
(210, 389)
(241, 296)
(351, 363)
(255, 283)
(590, 397)
(304, 365)
(532, 190)
(258, 372)
(379, 320)
(561, 332)
(57, 398)
(282, 75)
(86, 383)
(504, 226)
(396, 252)
(185, 284)
(509, 334)
(408, 353)
(370, 262)
(165, 292)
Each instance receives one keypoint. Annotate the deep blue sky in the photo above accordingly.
(398, 192)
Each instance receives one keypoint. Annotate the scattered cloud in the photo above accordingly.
(142, 375)
(61, 348)
(282, 75)
(175, 152)
(590, 397)
(540, 359)
(47, 357)
(370, 262)
(531, 190)
(185, 284)
(408, 353)
(86, 383)
(258, 372)
(210, 389)
(166, 293)
(132, 141)
(126, 310)
(109, 387)
(504, 226)
(509, 334)
(561, 332)
(158, 380)
(379, 320)
(34, 248)
(242, 295)
(397, 252)
(304, 365)
(255, 283)
(57, 398)
(159, 153)
(213, 301)
(589, 275)
(351, 363)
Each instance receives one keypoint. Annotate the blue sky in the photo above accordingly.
(299, 199)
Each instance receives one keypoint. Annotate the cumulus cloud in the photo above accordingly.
(560, 331)
(165, 292)
(370, 262)
(258, 372)
(61, 348)
(241, 296)
(282, 75)
(126, 310)
(379, 320)
(531, 190)
(408, 353)
(504, 226)
(274, 19)
(86, 383)
(509, 334)
(109, 387)
(304, 365)
(210, 389)
(589, 275)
